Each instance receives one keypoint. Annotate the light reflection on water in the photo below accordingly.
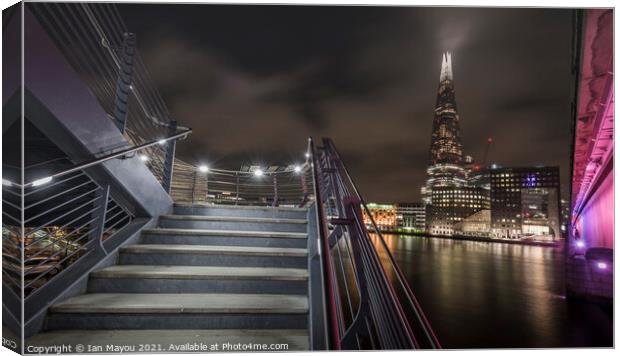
(480, 294)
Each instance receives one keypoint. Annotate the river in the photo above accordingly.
(495, 295)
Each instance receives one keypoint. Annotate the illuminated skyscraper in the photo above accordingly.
(446, 172)
(446, 145)
(448, 196)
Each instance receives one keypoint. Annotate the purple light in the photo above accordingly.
(601, 265)
(531, 180)
(580, 244)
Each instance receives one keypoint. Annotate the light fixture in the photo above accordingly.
(7, 183)
(601, 265)
(580, 244)
(41, 181)
(162, 142)
(203, 168)
(258, 172)
(144, 158)
(307, 155)
(297, 169)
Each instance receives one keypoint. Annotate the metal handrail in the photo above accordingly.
(290, 186)
(120, 153)
(378, 319)
(63, 221)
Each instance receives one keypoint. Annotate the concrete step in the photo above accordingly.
(198, 279)
(248, 211)
(135, 340)
(235, 223)
(224, 237)
(211, 255)
(179, 311)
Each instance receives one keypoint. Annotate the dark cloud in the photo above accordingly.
(254, 81)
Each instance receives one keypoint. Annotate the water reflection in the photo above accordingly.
(479, 294)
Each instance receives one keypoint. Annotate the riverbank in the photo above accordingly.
(477, 238)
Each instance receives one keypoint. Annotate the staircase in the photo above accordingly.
(207, 274)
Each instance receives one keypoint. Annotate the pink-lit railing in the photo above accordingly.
(370, 304)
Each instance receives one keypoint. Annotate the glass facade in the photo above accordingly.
(525, 202)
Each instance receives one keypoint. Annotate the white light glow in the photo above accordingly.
(601, 265)
(144, 158)
(41, 181)
(307, 154)
(580, 244)
(162, 142)
(258, 172)
(203, 168)
(297, 169)
(7, 183)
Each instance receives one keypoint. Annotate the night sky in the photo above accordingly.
(255, 81)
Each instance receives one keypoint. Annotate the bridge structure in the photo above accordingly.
(589, 260)
(112, 243)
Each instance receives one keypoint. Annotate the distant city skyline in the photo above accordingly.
(367, 77)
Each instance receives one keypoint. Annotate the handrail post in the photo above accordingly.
(237, 188)
(99, 214)
(275, 190)
(169, 159)
(304, 189)
(206, 187)
(124, 81)
(193, 186)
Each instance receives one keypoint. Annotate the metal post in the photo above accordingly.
(304, 188)
(169, 161)
(99, 214)
(275, 190)
(123, 83)
(237, 188)
(193, 186)
(207, 187)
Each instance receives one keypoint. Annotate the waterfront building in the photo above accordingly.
(477, 224)
(411, 216)
(452, 205)
(446, 194)
(383, 214)
(525, 202)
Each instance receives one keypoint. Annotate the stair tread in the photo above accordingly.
(296, 339)
(240, 207)
(216, 249)
(240, 233)
(234, 219)
(201, 272)
(150, 303)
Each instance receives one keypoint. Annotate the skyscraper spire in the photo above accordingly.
(446, 67)
(446, 138)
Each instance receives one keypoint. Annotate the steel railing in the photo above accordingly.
(369, 302)
(285, 186)
(65, 215)
(64, 220)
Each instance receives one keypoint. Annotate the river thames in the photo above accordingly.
(495, 295)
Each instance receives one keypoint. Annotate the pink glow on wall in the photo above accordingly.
(596, 222)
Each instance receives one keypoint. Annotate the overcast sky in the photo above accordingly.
(255, 81)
